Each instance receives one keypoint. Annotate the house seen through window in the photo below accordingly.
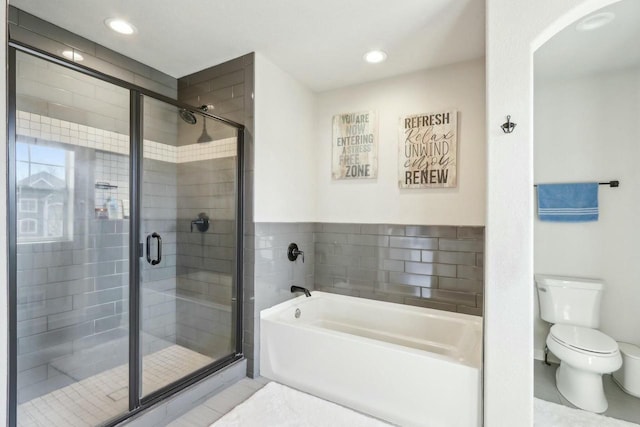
(44, 181)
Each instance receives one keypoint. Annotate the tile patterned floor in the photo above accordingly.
(211, 410)
(621, 405)
(94, 400)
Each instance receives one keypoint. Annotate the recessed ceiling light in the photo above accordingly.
(74, 56)
(594, 21)
(375, 56)
(120, 26)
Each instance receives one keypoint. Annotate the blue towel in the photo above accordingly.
(568, 202)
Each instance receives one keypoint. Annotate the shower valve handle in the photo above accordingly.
(293, 252)
(201, 222)
(197, 222)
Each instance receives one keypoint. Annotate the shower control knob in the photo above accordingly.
(201, 223)
(293, 252)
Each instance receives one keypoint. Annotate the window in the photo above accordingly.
(28, 205)
(44, 181)
(28, 226)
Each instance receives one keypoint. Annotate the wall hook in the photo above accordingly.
(508, 126)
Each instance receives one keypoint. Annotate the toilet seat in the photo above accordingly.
(584, 340)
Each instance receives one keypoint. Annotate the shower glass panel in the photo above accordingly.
(71, 168)
(188, 232)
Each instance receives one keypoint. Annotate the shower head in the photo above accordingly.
(190, 118)
(205, 136)
(187, 116)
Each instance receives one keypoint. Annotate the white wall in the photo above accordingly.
(285, 166)
(459, 86)
(293, 149)
(588, 129)
(515, 29)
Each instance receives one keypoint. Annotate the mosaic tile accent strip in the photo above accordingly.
(37, 126)
(207, 150)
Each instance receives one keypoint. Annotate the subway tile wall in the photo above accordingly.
(227, 90)
(71, 296)
(56, 92)
(438, 267)
(206, 261)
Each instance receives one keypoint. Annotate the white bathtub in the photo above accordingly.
(410, 366)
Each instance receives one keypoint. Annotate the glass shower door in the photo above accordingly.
(70, 178)
(98, 327)
(188, 234)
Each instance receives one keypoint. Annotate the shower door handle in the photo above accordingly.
(159, 258)
(157, 261)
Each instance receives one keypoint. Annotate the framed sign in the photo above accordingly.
(428, 149)
(355, 146)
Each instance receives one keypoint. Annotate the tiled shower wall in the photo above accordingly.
(228, 88)
(206, 267)
(71, 298)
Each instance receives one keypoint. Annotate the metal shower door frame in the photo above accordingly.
(136, 403)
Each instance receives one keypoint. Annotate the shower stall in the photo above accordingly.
(125, 219)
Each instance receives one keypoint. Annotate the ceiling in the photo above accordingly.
(572, 53)
(320, 43)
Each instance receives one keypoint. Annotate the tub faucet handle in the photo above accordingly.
(293, 252)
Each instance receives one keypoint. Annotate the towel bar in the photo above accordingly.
(615, 183)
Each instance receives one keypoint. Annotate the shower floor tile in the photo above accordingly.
(96, 399)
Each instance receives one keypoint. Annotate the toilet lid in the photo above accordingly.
(585, 339)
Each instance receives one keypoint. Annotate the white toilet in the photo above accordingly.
(572, 305)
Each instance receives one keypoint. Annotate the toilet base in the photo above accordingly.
(582, 388)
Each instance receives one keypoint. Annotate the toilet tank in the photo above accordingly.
(569, 300)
